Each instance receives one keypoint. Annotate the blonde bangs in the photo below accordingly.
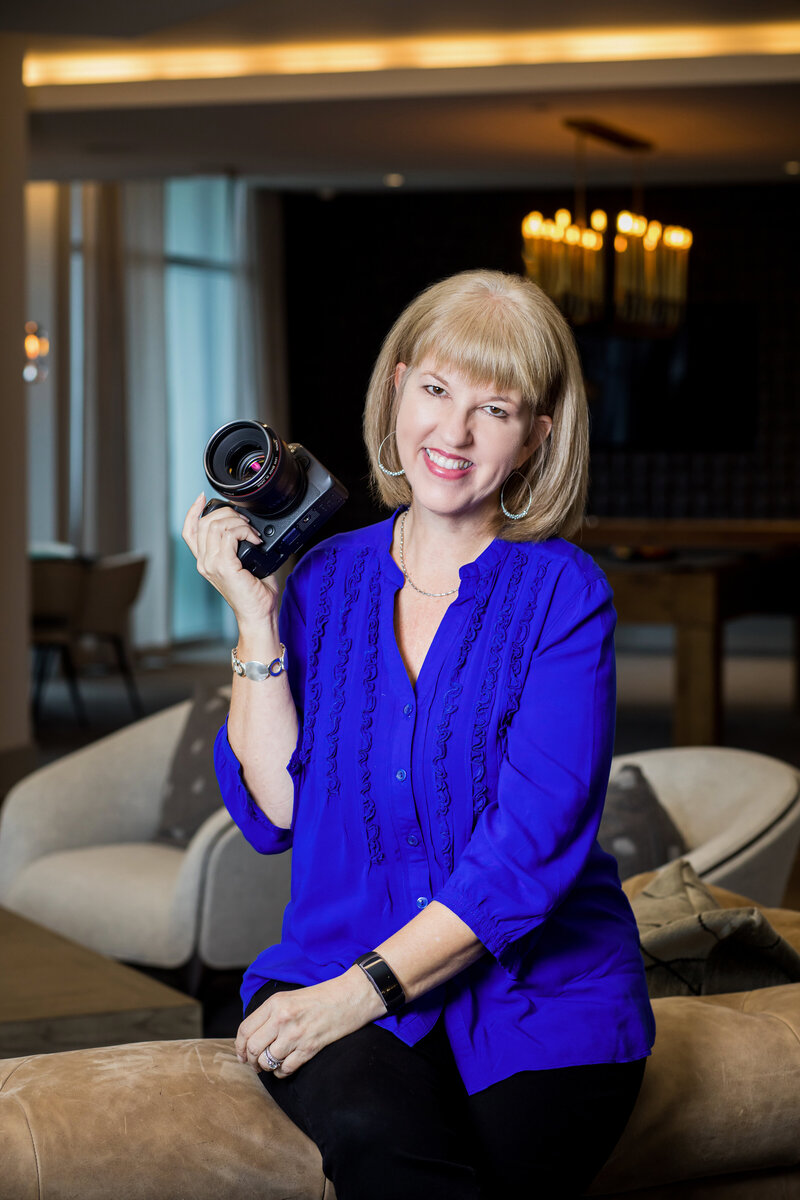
(491, 343)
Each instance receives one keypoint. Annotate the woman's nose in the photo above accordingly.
(456, 427)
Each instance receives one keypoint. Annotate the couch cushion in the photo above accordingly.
(191, 793)
(693, 946)
(138, 919)
(635, 828)
(721, 1092)
(153, 1120)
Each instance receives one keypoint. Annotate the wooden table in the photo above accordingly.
(697, 589)
(57, 995)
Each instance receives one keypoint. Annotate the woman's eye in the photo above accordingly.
(495, 410)
(434, 389)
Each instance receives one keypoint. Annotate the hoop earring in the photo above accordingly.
(517, 516)
(385, 470)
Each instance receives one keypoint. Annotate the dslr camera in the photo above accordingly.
(282, 489)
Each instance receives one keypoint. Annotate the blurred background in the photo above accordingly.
(213, 209)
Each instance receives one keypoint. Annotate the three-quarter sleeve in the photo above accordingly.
(531, 843)
(262, 834)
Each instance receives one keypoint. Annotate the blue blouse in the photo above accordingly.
(481, 788)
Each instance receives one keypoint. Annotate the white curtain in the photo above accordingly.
(147, 409)
(182, 385)
(151, 387)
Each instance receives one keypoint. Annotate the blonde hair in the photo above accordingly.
(501, 331)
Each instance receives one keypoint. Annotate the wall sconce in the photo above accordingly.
(37, 349)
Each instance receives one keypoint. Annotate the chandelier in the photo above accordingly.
(638, 269)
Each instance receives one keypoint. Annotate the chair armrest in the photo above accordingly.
(187, 899)
(107, 792)
(244, 897)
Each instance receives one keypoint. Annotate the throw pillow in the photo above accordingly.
(693, 947)
(190, 793)
(635, 827)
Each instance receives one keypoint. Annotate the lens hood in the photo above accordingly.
(246, 462)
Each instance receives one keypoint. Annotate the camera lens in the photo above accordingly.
(248, 463)
(245, 464)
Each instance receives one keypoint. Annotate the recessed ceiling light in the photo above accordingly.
(394, 179)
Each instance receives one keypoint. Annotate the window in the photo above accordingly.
(200, 282)
(182, 236)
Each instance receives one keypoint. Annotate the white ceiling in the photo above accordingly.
(160, 22)
(716, 121)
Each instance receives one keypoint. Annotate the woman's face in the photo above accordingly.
(458, 443)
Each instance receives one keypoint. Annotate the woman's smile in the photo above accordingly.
(444, 465)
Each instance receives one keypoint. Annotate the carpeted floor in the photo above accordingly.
(759, 715)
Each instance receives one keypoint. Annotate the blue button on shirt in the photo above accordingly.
(506, 768)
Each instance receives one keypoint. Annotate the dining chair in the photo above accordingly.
(78, 600)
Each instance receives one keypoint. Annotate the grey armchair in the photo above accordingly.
(738, 811)
(77, 855)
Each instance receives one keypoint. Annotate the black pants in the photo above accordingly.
(395, 1121)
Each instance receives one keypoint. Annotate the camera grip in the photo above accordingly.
(251, 557)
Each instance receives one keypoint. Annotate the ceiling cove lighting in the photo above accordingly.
(570, 258)
(414, 53)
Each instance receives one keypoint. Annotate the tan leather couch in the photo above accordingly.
(718, 1117)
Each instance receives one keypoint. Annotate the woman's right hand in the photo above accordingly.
(213, 540)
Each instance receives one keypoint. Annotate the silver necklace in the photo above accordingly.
(435, 595)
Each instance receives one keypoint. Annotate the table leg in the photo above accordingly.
(697, 715)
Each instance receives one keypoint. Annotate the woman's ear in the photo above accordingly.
(399, 372)
(541, 429)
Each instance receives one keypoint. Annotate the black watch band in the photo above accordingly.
(383, 979)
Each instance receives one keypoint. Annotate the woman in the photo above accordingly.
(457, 1007)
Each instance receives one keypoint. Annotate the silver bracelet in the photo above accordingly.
(258, 670)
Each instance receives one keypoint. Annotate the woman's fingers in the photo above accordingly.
(259, 1045)
(217, 540)
(289, 1065)
(189, 531)
(214, 541)
(201, 533)
(249, 1028)
(261, 1034)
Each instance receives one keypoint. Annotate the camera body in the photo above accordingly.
(283, 490)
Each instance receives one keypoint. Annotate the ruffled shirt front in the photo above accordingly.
(482, 788)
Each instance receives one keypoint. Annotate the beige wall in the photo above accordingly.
(14, 719)
(41, 217)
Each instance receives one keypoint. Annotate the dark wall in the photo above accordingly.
(354, 261)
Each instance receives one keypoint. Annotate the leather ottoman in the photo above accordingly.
(718, 1117)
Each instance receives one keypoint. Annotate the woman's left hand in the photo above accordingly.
(296, 1025)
